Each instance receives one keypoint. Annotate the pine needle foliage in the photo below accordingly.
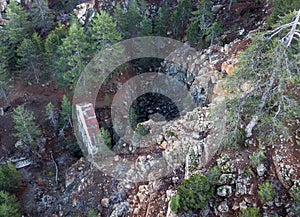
(26, 128)
(270, 68)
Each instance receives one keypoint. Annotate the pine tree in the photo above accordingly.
(4, 78)
(134, 18)
(103, 30)
(281, 8)
(66, 113)
(120, 17)
(52, 43)
(52, 115)
(10, 178)
(161, 21)
(26, 129)
(270, 69)
(42, 18)
(30, 53)
(180, 17)
(204, 27)
(146, 26)
(128, 23)
(9, 206)
(15, 30)
(73, 54)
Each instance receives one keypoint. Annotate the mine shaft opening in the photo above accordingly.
(153, 106)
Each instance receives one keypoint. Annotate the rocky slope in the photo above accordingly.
(181, 147)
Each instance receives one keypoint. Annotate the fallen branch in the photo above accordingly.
(56, 168)
(293, 33)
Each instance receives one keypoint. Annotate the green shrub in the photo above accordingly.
(10, 178)
(105, 137)
(141, 130)
(266, 192)
(213, 175)
(257, 157)
(175, 204)
(92, 213)
(9, 206)
(193, 194)
(250, 212)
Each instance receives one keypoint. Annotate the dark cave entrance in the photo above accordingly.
(153, 106)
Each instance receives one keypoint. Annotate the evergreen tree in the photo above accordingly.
(26, 128)
(52, 43)
(180, 17)
(193, 194)
(10, 178)
(270, 69)
(66, 113)
(281, 8)
(73, 54)
(103, 31)
(146, 30)
(146, 26)
(15, 30)
(42, 17)
(120, 18)
(128, 23)
(161, 21)
(204, 27)
(52, 115)
(4, 78)
(133, 17)
(64, 6)
(9, 206)
(30, 53)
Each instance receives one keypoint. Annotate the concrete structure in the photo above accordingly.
(87, 128)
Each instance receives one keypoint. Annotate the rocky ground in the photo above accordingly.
(187, 145)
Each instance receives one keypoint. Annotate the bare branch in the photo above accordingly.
(289, 37)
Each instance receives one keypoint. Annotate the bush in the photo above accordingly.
(9, 206)
(92, 213)
(104, 135)
(175, 204)
(250, 212)
(266, 192)
(257, 157)
(141, 130)
(193, 194)
(213, 175)
(10, 178)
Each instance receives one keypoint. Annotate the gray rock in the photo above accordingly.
(226, 179)
(241, 189)
(120, 209)
(105, 202)
(261, 169)
(224, 191)
(216, 8)
(223, 207)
